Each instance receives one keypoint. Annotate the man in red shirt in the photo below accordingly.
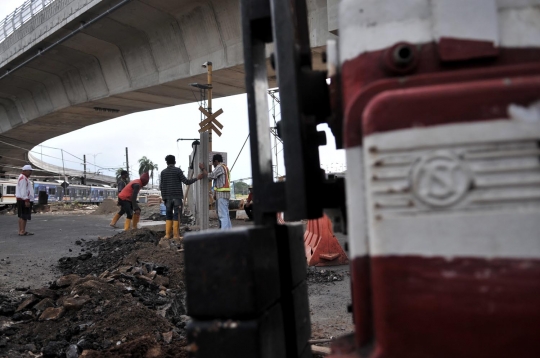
(128, 201)
(25, 195)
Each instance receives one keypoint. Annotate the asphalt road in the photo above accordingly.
(28, 261)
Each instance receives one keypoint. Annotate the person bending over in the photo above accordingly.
(121, 184)
(128, 201)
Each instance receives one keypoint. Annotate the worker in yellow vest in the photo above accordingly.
(222, 190)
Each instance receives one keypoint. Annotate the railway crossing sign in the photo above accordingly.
(210, 122)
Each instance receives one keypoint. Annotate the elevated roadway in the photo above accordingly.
(73, 176)
(79, 62)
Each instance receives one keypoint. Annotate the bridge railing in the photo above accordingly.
(21, 15)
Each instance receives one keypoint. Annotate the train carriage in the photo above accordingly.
(56, 193)
(7, 192)
(52, 189)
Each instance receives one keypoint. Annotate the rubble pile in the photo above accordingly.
(108, 206)
(123, 297)
(107, 253)
(5, 210)
(318, 275)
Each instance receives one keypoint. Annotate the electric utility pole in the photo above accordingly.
(84, 159)
(127, 161)
(63, 167)
(209, 80)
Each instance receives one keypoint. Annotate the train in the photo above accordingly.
(75, 193)
(56, 193)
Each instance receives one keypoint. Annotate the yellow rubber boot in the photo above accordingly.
(176, 230)
(115, 220)
(168, 229)
(135, 221)
(127, 224)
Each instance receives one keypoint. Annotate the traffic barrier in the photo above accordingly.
(322, 247)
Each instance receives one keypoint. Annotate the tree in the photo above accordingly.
(146, 165)
(240, 187)
(119, 173)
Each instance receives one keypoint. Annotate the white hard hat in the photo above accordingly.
(27, 167)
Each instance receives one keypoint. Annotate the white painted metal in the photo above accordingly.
(21, 15)
(466, 19)
(454, 190)
(356, 207)
(371, 25)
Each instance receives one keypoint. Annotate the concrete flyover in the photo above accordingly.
(141, 56)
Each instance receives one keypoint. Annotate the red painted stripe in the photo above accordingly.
(465, 307)
(445, 104)
(361, 296)
(368, 75)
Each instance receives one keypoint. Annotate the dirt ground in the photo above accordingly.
(107, 293)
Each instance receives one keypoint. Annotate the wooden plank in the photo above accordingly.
(210, 117)
(206, 128)
(204, 111)
(210, 127)
(216, 122)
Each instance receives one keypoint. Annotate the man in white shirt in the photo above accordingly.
(25, 196)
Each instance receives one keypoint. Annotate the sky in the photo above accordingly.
(154, 134)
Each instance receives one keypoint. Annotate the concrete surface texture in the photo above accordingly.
(141, 56)
(29, 261)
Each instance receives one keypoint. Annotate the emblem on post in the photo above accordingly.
(440, 179)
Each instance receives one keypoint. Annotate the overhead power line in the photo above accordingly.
(50, 156)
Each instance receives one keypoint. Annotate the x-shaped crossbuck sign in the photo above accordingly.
(208, 123)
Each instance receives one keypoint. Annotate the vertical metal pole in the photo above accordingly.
(208, 148)
(84, 158)
(63, 168)
(202, 206)
(127, 161)
(209, 78)
(275, 137)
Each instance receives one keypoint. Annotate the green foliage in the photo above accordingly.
(241, 188)
(146, 165)
(119, 173)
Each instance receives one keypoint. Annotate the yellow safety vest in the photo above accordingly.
(226, 186)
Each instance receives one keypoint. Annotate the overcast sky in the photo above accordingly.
(154, 134)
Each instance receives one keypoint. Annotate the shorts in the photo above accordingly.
(24, 212)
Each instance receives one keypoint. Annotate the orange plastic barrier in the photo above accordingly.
(322, 247)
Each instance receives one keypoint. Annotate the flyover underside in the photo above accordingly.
(141, 56)
(17, 141)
